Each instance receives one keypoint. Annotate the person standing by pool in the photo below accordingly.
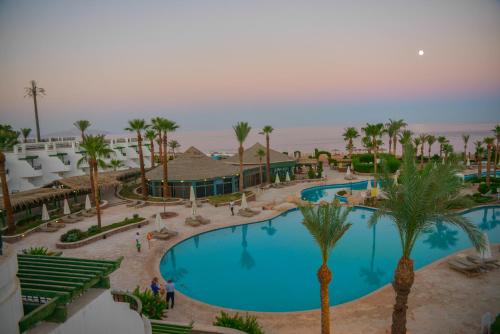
(231, 206)
(170, 287)
(155, 287)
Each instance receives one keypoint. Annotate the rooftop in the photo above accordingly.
(250, 156)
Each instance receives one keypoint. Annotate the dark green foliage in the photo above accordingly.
(247, 323)
(483, 188)
(153, 306)
(320, 170)
(495, 327)
(36, 251)
(342, 193)
(310, 173)
(363, 163)
(76, 234)
(72, 235)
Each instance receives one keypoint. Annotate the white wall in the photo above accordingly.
(11, 307)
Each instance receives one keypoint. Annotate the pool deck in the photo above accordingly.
(442, 300)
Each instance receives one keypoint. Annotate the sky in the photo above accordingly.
(209, 64)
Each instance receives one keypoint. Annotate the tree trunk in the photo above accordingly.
(94, 170)
(465, 153)
(422, 156)
(440, 151)
(240, 154)
(390, 145)
(495, 162)
(350, 148)
(488, 166)
(375, 148)
(394, 143)
(7, 205)
(479, 166)
(160, 146)
(403, 281)
(260, 170)
(429, 152)
(325, 277)
(92, 184)
(144, 187)
(268, 160)
(152, 150)
(166, 190)
(34, 90)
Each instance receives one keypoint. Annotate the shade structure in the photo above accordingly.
(369, 185)
(486, 252)
(88, 206)
(158, 223)
(45, 213)
(192, 197)
(194, 208)
(244, 203)
(66, 209)
(287, 177)
(468, 162)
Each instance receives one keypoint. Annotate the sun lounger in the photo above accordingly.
(56, 225)
(164, 234)
(202, 220)
(133, 203)
(141, 204)
(192, 222)
(490, 263)
(46, 228)
(467, 269)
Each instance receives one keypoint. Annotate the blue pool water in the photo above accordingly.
(271, 266)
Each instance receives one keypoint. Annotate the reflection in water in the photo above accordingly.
(269, 228)
(174, 274)
(489, 224)
(233, 228)
(442, 238)
(246, 260)
(196, 240)
(372, 276)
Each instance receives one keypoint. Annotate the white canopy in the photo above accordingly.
(66, 209)
(277, 180)
(192, 197)
(88, 206)
(348, 172)
(244, 203)
(468, 162)
(194, 208)
(158, 223)
(287, 177)
(45, 213)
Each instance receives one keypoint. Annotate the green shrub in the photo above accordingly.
(247, 324)
(94, 229)
(483, 188)
(72, 235)
(153, 306)
(36, 251)
(342, 193)
(495, 327)
(310, 173)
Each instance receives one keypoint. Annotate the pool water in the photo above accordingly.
(271, 266)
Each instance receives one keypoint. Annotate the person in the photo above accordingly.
(231, 206)
(170, 287)
(155, 287)
(137, 242)
(149, 237)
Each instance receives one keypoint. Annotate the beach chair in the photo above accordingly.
(491, 263)
(132, 203)
(470, 270)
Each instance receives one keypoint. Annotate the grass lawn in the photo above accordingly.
(219, 199)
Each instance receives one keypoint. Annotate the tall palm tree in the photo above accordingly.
(267, 130)
(423, 140)
(166, 126)
(447, 150)
(415, 205)
(26, 133)
(441, 140)
(115, 164)
(82, 125)
(138, 125)
(374, 132)
(405, 137)
(95, 149)
(173, 144)
(430, 141)
(479, 158)
(327, 224)
(367, 143)
(34, 91)
(151, 136)
(465, 138)
(350, 134)
(241, 131)
(8, 138)
(155, 125)
(417, 141)
(496, 131)
(489, 141)
(398, 126)
(260, 154)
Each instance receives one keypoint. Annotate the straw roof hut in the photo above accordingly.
(250, 156)
(36, 197)
(106, 179)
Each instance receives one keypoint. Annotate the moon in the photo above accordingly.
(420, 52)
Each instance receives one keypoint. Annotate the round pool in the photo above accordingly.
(271, 266)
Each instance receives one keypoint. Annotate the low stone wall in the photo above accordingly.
(100, 236)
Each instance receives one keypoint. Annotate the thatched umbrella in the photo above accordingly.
(88, 206)
(244, 204)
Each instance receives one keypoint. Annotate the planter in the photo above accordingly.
(100, 236)
(250, 197)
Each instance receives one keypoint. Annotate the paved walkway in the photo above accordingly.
(442, 301)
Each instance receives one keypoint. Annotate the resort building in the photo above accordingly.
(194, 168)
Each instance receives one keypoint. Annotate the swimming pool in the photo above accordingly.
(271, 266)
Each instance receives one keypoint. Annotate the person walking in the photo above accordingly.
(231, 206)
(170, 287)
(155, 287)
(137, 242)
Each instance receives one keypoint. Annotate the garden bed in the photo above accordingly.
(128, 192)
(222, 200)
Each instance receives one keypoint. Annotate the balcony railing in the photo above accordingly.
(37, 167)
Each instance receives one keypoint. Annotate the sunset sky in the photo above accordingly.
(208, 64)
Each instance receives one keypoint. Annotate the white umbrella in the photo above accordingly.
(486, 252)
(192, 197)
(244, 203)
(194, 207)
(277, 180)
(442, 162)
(348, 172)
(88, 206)
(369, 186)
(66, 209)
(287, 177)
(158, 223)
(45, 213)
(468, 162)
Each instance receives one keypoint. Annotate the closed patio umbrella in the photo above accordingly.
(244, 203)
(468, 162)
(66, 209)
(158, 223)
(348, 172)
(88, 206)
(277, 180)
(194, 208)
(45, 213)
(287, 177)
(192, 197)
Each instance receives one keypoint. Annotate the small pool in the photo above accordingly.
(271, 266)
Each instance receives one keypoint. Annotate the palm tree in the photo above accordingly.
(430, 140)
(173, 144)
(447, 149)
(267, 130)
(26, 133)
(441, 140)
(34, 91)
(327, 224)
(374, 132)
(479, 158)
(489, 141)
(417, 141)
(260, 154)
(151, 136)
(396, 126)
(156, 126)
(115, 164)
(95, 149)
(405, 137)
(496, 131)
(82, 125)
(423, 140)
(138, 125)
(465, 138)
(416, 205)
(367, 143)
(241, 130)
(166, 126)
(8, 138)
(349, 135)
